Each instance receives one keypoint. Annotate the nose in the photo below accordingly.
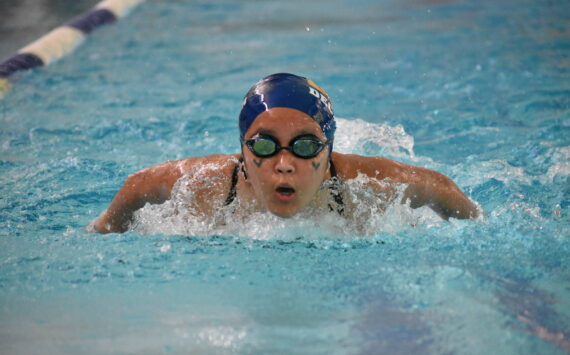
(285, 162)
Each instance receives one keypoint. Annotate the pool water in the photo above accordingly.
(478, 90)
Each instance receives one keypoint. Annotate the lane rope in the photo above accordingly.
(63, 40)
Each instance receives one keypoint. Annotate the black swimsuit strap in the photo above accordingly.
(333, 169)
(233, 188)
(335, 190)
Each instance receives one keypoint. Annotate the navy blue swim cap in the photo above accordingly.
(292, 91)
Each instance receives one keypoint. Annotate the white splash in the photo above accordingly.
(356, 136)
(367, 211)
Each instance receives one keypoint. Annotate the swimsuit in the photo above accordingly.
(233, 189)
(334, 188)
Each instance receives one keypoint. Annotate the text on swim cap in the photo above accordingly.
(322, 98)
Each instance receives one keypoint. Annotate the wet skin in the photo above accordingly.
(282, 184)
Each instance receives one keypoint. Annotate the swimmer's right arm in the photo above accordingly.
(152, 185)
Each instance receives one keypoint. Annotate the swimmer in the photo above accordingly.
(287, 131)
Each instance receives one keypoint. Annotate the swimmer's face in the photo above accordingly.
(284, 184)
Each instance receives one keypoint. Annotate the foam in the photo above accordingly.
(370, 212)
(390, 139)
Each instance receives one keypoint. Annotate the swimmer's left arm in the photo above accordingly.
(425, 187)
(437, 191)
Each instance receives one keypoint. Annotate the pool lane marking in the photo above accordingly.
(63, 40)
(119, 8)
(53, 46)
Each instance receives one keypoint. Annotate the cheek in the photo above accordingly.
(257, 174)
(315, 172)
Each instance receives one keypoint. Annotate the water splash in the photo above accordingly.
(357, 136)
(371, 212)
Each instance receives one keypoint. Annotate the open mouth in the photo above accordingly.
(285, 193)
(285, 190)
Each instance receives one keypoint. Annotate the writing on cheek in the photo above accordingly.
(316, 165)
(257, 162)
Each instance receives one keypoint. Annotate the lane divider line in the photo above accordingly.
(63, 40)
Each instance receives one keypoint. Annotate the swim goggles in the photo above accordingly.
(303, 147)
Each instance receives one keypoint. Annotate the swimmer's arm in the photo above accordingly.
(152, 185)
(437, 191)
(425, 187)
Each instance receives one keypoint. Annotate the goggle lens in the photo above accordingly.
(303, 147)
(306, 147)
(264, 147)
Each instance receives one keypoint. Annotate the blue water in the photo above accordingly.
(478, 90)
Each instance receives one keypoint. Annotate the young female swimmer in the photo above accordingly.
(287, 129)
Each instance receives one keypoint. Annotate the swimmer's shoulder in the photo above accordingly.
(172, 170)
(209, 175)
(350, 166)
(209, 178)
(220, 160)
